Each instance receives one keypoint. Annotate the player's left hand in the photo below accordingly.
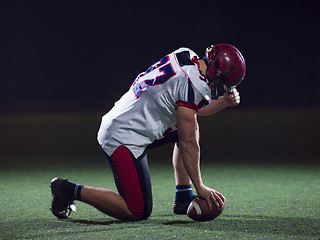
(232, 99)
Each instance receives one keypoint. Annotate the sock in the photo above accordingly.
(184, 193)
(71, 191)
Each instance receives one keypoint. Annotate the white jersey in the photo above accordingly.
(148, 111)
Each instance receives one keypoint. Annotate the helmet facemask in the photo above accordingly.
(219, 88)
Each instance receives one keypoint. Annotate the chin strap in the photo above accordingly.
(205, 59)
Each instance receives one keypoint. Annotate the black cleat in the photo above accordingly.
(60, 207)
(181, 208)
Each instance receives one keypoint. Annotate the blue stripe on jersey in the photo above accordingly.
(184, 58)
(167, 132)
(190, 92)
(202, 103)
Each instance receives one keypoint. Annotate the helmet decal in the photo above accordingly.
(209, 49)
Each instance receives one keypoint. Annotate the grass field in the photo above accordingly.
(272, 194)
(264, 202)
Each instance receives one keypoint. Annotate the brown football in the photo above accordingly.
(198, 210)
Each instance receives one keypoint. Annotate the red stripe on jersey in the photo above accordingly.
(194, 60)
(188, 105)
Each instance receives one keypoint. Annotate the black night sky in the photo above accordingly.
(83, 55)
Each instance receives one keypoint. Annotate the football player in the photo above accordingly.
(160, 107)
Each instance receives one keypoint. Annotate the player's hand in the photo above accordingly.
(211, 195)
(231, 99)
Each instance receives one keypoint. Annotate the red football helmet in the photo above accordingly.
(226, 68)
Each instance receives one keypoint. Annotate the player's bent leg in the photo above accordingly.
(64, 193)
(142, 168)
(107, 202)
(184, 194)
(133, 181)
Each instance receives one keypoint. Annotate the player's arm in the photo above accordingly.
(190, 151)
(188, 144)
(227, 100)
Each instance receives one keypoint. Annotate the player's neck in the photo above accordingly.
(203, 66)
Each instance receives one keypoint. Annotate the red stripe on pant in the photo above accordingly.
(129, 180)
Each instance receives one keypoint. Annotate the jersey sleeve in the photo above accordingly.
(194, 92)
(190, 97)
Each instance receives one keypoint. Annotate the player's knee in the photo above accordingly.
(141, 213)
(147, 213)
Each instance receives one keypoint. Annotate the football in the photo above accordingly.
(198, 210)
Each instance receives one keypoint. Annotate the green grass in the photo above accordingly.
(266, 163)
(268, 201)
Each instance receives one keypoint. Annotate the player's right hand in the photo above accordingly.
(211, 195)
(231, 99)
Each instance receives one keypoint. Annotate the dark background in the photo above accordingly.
(83, 55)
(63, 64)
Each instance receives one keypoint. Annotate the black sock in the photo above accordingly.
(184, 193)
(71, 191)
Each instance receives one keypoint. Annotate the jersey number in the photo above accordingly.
(159, 72)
